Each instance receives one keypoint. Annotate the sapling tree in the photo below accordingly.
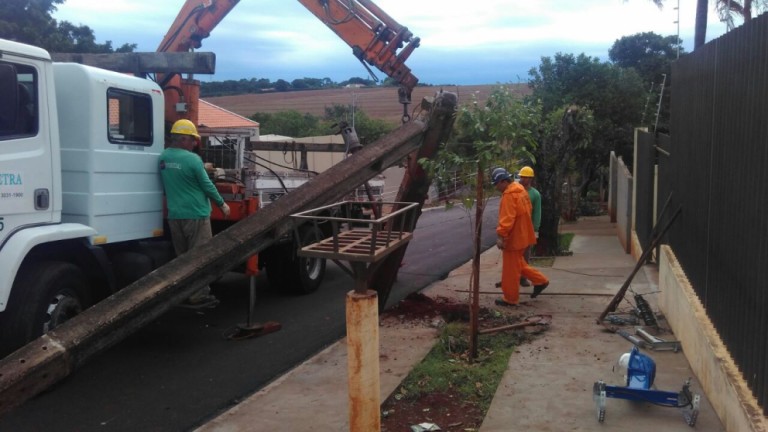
(496, 134)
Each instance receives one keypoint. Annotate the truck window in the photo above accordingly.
(130, 117)
(19, 113)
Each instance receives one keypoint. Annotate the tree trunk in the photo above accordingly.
(700, 35)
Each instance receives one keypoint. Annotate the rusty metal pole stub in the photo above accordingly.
(363, 360)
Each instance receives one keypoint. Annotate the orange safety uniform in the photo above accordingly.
(516, 228)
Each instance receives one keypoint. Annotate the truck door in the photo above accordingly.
(26, 160)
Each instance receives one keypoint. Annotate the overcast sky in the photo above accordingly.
(472, 42)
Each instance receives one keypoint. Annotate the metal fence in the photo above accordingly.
(716, 170)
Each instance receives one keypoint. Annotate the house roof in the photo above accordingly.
(215, 117)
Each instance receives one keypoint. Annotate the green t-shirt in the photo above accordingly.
(187, 186)
(535, 197)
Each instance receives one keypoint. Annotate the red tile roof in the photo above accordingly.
(214, 117)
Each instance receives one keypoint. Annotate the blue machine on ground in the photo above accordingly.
(641, 371)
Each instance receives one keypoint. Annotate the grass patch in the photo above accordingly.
(543, 261)
(448, 367)
(564, 241)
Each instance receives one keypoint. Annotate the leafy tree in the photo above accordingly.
(565, 132)
(289, 123)
(485, 136)
(368, 129)
(746, 9)
(614, 95)
(282, 85)
(299, 84)
(294, 124)
(651, 55)
(30, 22)
(499, 133)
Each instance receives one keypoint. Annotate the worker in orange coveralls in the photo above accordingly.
(514, 235)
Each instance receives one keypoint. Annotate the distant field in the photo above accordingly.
(381, 103)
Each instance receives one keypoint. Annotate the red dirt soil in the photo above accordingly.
(377, 102)
(444, 409)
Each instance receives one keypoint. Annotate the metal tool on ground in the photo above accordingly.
(641, 371)
(642, 339)
(640, 262)
(656, 343)
(534, 320)
(645, 312)
(252, 329)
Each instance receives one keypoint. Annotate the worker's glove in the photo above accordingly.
(500, 242)
(537, 235)
(225, 210)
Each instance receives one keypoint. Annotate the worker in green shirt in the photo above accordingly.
(188, 192)
(526, 179)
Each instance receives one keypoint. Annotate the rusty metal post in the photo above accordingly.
(363, 355)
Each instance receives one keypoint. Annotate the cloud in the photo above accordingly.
(480, 42)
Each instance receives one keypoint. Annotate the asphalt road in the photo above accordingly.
(180, 371)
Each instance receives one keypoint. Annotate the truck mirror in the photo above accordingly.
(9, 102)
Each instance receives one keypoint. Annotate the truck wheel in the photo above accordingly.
(310, 271)
(293, 273)
(46, 295)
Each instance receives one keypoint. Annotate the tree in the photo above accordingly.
(486, 136)
(368, 129)
(289, 123)
(31, 22)
(651, 55)
(565, 132)
(614, 95)
(282, 85)
(728, 10)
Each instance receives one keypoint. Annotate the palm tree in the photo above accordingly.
(727, 9)
(700, 29)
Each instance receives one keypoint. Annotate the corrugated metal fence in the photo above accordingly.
(716, 168)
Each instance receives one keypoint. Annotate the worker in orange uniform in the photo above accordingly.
(514, 235)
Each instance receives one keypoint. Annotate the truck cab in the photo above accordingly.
(80, 191)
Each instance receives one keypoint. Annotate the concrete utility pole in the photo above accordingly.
(55, 355)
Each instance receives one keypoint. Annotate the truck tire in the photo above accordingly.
(296, 274)
(310, 271)
(44, 296)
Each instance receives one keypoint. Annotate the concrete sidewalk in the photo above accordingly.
(548, 384)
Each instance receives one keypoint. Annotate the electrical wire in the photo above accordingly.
(281, 166)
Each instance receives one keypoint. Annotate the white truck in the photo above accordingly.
(81, 200)
(81, 208)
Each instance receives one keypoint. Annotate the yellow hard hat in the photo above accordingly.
(184, 127)
(526, 171)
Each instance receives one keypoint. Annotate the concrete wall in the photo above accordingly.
(709, 358)
(613, 169)
(624, 206)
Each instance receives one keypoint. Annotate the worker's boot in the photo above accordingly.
(537, 289)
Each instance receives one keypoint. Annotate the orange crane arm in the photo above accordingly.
(195, 21)
(374, 37)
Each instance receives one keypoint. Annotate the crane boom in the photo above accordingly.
(374, 37)
(195, 21)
